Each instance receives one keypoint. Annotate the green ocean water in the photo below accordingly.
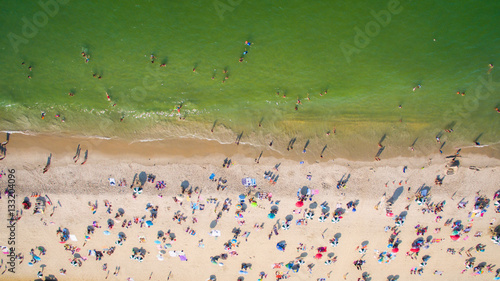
(298, 48)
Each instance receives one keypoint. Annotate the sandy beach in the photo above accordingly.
(381, 191)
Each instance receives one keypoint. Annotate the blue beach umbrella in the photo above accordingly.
(281, 246)
(106, 232)
(271, 215)
(149, 223)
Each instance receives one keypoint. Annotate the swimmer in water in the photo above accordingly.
(70, 94)
(43, 115)
(109, 99)
(497, 109)
(417, 87)
(152, 57)
(248, 43)
(491, 68)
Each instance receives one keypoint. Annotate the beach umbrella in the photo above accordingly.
(106, 232)
(253, 204)
(299, 204)
(389, 214)
(395, 250)
(149, 223)
(5, 250)
(495, 239)
(309, 215)
(322, 219)
(415, 250)
(455, 237)
(241, 197)
(137, 190)
(281, 246)
(318, 256)
(334, 242)
(271, 215)
(322, 249)
(335, 219)
(327, 262)
(157, 242)
(285, 226)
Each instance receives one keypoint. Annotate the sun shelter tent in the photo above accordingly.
(249, 182)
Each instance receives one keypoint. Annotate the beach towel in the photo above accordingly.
(172, 253)
(183, 258)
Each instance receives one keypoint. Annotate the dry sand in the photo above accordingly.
(74, 185)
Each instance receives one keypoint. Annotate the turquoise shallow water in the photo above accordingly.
(296, 50)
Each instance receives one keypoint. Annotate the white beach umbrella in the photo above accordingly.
(496, 239)
(322, 218)
(335, 219)
(310, 215)
(334, 242)
(285, 226)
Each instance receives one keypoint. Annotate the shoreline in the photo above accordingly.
(187, 147)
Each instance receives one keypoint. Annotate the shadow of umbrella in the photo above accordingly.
(365, 243)
(396, 195)
(325, 210)
(77, 256)
(111, 222)
(303, 190)
(143, 177)
(289, 218)
(172, 235)
(313, 205)
(122, 235)
(331, 255)
(212, 278)
(184, 185)
(121, 211)
(160, 233)
(243, 206)
(43, 266)
(213, 224)
(338, 235)
(303, 255)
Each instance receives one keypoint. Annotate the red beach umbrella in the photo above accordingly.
(299, 204)
(390, 214)
(455, 237)
(318, 256)
(395, 250)
(415, 250)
